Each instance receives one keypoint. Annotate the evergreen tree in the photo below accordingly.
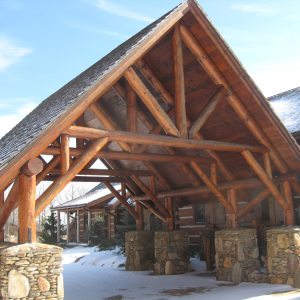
(96, 232)
(129, 225)
(49, 232)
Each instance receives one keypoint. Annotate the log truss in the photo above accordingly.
(157, 131)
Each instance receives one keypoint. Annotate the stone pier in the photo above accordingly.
(236, 254)
(31, 271)
(139, 249)
(172, 255)
(283, 244)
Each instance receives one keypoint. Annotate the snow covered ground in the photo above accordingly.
(96, 275)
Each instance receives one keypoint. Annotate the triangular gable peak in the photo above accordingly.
(173, 94)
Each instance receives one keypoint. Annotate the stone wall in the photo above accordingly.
(139, 249)
(31, 271)
(172, 253)
(236, 254)
(283, 245)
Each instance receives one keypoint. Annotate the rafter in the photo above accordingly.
(233, 100)
(108, 122)
(114, 165)
(151, 195)
(152, 104)
(157, 129)
(122, 200)
(206, 112)
(212, 187)
(265, 179)
(163, 182)
(253, 203)
(179, 91)
(52, 191)
(159, 87)
(151, 207)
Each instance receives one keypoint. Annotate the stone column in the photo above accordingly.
(236, 254)
(139, 249)
(1, 204)
(31, 271)
(58, 226)
(172, 255)
(68, 227)
(283, 244)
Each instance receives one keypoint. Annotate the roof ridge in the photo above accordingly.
(282, 93)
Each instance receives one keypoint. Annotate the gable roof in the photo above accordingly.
(153, 44)
(287, 107)
(50, 110)
(94, 194)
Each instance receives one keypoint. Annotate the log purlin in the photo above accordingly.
(134, 156)
(237, 184)
(117, 136)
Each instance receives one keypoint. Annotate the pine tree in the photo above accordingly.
(49, 232)
(96, 232)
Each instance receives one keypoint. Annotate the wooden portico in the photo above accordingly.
(173, 116)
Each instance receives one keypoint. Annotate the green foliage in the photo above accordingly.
(106, 244)
(49, 232)
(96, 233)
(129, 225)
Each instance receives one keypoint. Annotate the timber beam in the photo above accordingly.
(118, 155)
(237, 184)
(53, 190)
(234, 100)
(87, 179)
(151, 195)
(123, 201)
(103, 172)
(117, 136)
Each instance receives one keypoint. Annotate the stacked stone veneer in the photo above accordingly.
(283, 246)
(172, 253)
(139, 249)
(31, 271)
(236, 254)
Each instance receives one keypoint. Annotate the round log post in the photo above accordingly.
(1, 205)
(27, 189)
(139, 210)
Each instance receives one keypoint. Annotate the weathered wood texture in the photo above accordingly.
(62, 181)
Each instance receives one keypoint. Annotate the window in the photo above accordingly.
(199, 213)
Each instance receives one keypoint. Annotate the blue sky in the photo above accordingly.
(44, 44)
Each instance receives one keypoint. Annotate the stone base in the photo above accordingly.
(139, 249)
(31, 271)
(283, 245)
(172, 254)
(236, 254)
